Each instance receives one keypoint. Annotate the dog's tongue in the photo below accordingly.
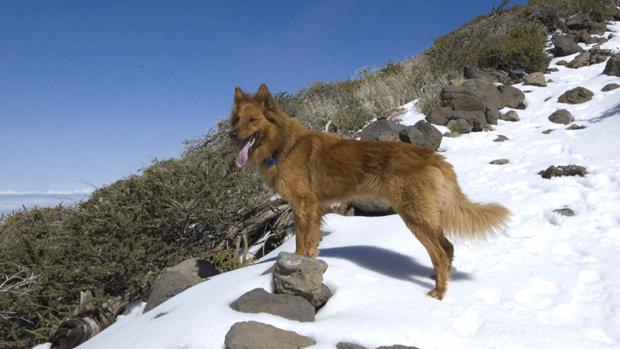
(242, 157)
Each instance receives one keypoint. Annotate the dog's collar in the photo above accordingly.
(271, 161)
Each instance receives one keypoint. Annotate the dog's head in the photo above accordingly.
(252, 123)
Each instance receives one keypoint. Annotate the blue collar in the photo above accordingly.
(271, 161)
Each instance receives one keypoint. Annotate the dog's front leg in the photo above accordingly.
(307, 212)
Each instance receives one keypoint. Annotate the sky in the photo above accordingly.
(93, 91)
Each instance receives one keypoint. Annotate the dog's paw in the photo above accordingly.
(437, 293)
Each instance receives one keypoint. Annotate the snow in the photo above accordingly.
(548, 281)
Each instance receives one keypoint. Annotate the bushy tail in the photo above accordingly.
(463, 219)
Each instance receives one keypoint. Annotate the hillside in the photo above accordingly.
(547, 281)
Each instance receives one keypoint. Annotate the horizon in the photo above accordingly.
(94, 92)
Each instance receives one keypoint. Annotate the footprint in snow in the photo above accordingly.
(539, 294)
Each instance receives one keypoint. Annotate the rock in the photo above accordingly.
(423, 134)
(564, 45)
(580, 60)
(371, 208)
(499, 162)
(535, 79)
(575, 127)
(613, 66)
(582, 21)
(260, 301)
(564, 212)
(501, 138)
(491, 114)
(560, 171)
(397, 346)
(585, 37)
(562, 62)
(512, 97)
(552, 70)
(610, 87)
(176, 279)
(345, 345)
(487, 75)
(301, 276)
(511, 116)
(577, 95)
(476, 119)
(382, 130)
(517, 74)
(561, 116)
(459, 126)
(547, 131)
(440, 116)
(473, 95)
(256, 335)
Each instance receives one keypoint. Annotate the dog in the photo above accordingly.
(313, 169)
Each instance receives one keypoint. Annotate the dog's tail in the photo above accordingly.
(468, 220)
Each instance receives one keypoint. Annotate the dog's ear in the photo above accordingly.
(239, 95)
(264, 97)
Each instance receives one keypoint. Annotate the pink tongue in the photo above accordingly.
(242, 157)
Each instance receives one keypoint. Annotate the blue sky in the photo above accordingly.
(92, 91)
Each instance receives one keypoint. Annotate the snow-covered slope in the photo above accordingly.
(548, 282)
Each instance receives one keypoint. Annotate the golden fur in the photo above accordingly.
(313, 169)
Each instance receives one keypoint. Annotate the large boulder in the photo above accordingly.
(440, 116)
(535, 79)
(577, 95)
(473, 95)
(592, 56)
(256, 335)
(512, 97)
(613, 66)
(583, 21)
(477, 119)
(382, 130)
(459, 126)
(561, 116)
(176, 279)
(564, 45)
(422, 133)
(260, 301)
(301, 276)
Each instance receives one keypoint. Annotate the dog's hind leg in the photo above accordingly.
(433, 241)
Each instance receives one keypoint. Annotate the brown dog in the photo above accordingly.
(311, 169)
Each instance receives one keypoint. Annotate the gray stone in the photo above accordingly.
(564, 212)
(582, 21)
(382, 130)
(345, 345)
(585, 37)
(476, 119)
(423, 134)
(610, 87)
(501, 138)
(397, 346)
(256, 335)
(459, 126)
(512, 97)
(176, 279)
(473, 95)
(564, 45)
(575, 127)
(499, 162)
(562, 62)
(491, 114)
(580, 60)
(561, 171)
(440, 116)
(301, 276)
(535, 79)
(260, 301)
(613, 66)
(561, 116)
(371, 208)
(577, 95)
(547, 131)
(511, 116)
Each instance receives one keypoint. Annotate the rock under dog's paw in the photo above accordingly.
(313, 252)
(436, 293)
